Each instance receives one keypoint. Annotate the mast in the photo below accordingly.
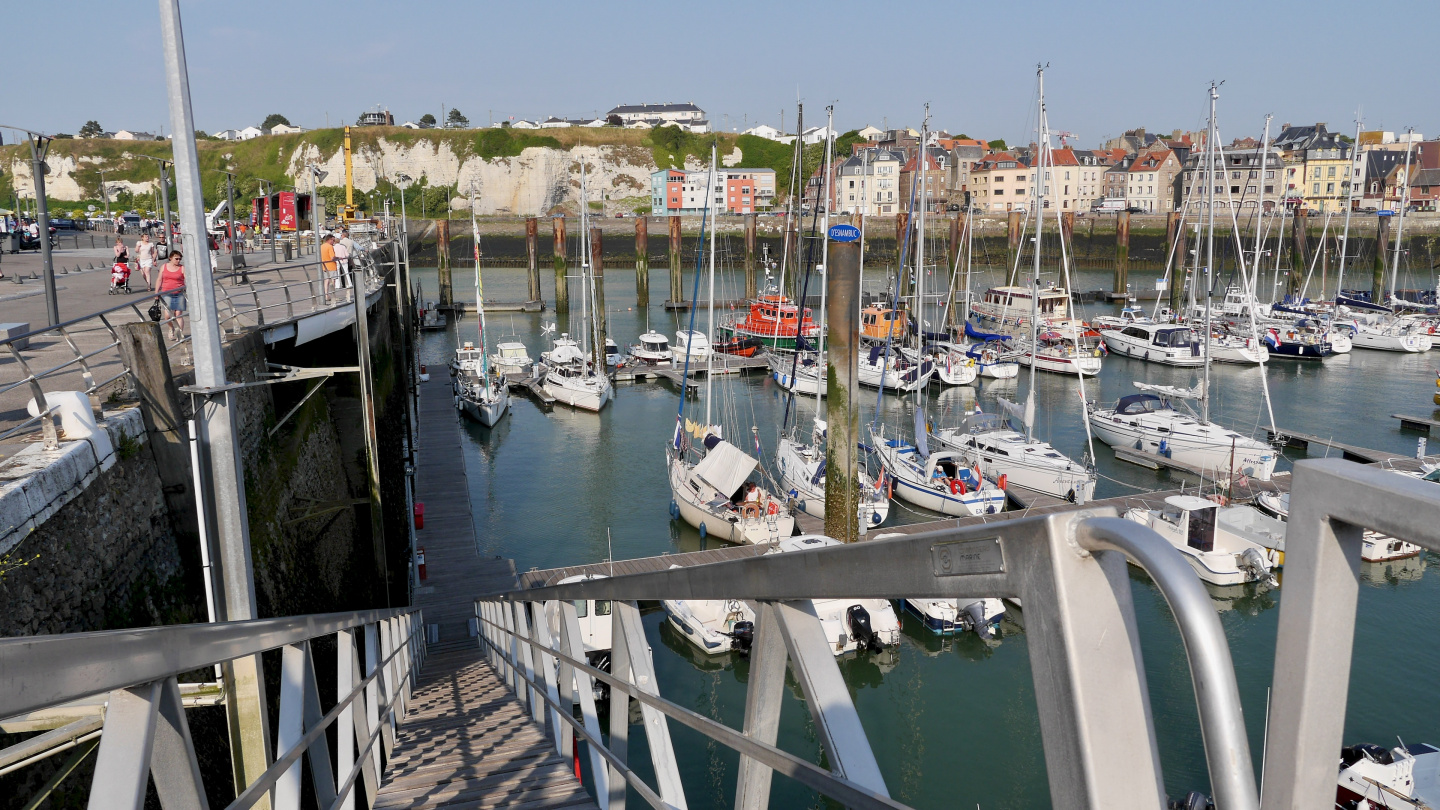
(920, 156)
(1209, 249)
(1355, 180)
(1260, 215)
(824, 259)
(710, 312)
(864, 207)
(790, 202)
(1039, 198)
(584, 262)
(479, 296)
(1404, 202)
(969, 263)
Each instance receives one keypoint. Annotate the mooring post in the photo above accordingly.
(677, 283)
(1012, 244)
(642, 261)
(953, 253)
(842, 313)
(1172, 227)
(1178, 267)
(1122, 252)
(1299, 253)
(1067, 231)
(792, 250)
(442, 263)
(562, 285)
(532, 259)
(597, 270)
(751, 290)
(143, 351)
(902, 222)
(1382, 249)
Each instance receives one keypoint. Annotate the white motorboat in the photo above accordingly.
(715, 495)
(576, 385)
(652, 350)
(849, 624)
(1003, 453)
(941, 481)
(483, 399)
(692, 344)
(802, 473)
(564, 349)
(511, 357)
(801, 372)
(1218, 554)
(896, 372)
(1166, 343)
(948, 617)
(1068, 351)
(1406, 777)
(1148, 422)
(613, 357)
(714, 626)
(467, 359)
(1129, 316)
(1375, 547)
(1010, 307)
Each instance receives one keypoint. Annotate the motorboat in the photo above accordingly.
(881, 323)
(1219, 554)
(716, 496)
(801, 372)
(1168, 343)
(941, 481)
(1374, 547)
(987, 440)
(949, 617)
(894, 370)
(713, 626)
(849, 624)
(1010, 306)
(482, 398)
(596, 625)
(692, 346)
(467, 359)
(511, 357)
(1062, 351)
(1406, 777)
(802, 473)
(1148, 422)
(1129, 316)
(613, 357)
(652, 350)
(775, 322)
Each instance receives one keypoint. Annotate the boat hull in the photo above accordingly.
(1237, 459)
(723, 524)
(487, 413)
(587, 398)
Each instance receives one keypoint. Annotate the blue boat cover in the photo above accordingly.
(976, 334)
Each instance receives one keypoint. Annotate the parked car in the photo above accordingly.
(1134, 209)
(63, 224)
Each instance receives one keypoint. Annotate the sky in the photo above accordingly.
(1113, 66)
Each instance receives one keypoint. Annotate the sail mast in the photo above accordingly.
(584, 262)
(790, 201)
(1039, 197)
(1404, 203)
(1209, 250)
(1355, 179)
(710, 325)
(824, 259)
(479, 295)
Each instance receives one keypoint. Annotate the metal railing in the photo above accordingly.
(254, 299)
(142, 728)
(1068, 569)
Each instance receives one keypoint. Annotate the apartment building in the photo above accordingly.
(872, 173)
(734, 191)
(1150, 182)
(1000, 182)
(1240, 180)
(935, 192)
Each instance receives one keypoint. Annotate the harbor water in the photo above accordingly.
(953, 722)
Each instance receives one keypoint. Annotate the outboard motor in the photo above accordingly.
(858, 618)
(1194, 800)
(743, 634)
(1254, 563)
(975, 613)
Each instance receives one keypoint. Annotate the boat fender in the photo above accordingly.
(674, 510)
(875, 518)
(702, 530)
(1003, 480)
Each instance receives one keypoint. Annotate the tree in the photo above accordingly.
(456, 120)
(272, 119)
(427, 120)
(62, 136)
(998, 145)
(91, 130)
(614, 121)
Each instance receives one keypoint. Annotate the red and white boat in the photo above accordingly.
(774, 321)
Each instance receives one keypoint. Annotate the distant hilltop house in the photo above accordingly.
(687, 116)
(240, 134)
(767, 132)
(560, 123)
(285, 129)
(375, 118)
(134, 135)
(871, 133)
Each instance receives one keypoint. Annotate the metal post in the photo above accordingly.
(597, 270)
(39, 145)
(274, 217)
(562, 284)
(244, 682)
(763, 698)
(165, 204)
(642, 261)
(105, 194)
(842, 480)
(442, 263)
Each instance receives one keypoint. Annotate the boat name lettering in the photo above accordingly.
(961, 557)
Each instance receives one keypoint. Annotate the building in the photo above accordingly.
(1116, 179)
(935, 191)
(871, 173)
(1425, 190)
(1151, 181)
(1090, 167)
(736, 191)
(1241, 181)
(1328, 175)
(1000, 182)
(815, 135)
(686, 116)
(239, 134)
(1133, 141)
(135, 135)
(285, 129)
(871, 133)
(765, 131)
(1381, 140)
(375, 118)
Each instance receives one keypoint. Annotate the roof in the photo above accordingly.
(654, 109)
(1151, 160)
(1426, 177)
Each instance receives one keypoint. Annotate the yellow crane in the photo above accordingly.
(348, 211)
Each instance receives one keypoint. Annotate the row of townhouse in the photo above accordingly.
(734, 191)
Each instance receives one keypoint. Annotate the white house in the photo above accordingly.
(597, 122)
(411, 125)
(765, 131)
(132, 135)
(686, 114)
(554, 123)
(523, 124)
(871, 133)
(818, 135)
(285, 129)
(228, 134)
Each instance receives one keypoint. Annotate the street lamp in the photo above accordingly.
(402, 180)
(270, 214)
(104, 194)
(230, 209)
(316, 175)
(164, 193)
(39, 145)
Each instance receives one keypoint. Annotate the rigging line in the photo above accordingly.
(800, 321)
(690, 330)
(894, 302)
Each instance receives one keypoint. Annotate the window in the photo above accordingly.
(1234, 189)
(1317, 172)
(1269, 189)
(1317, 185)
(1253, 174)
(1329, 188)
(1270, 175)
(1234, 175)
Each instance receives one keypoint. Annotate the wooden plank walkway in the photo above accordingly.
(1349, 452)
(467, 742)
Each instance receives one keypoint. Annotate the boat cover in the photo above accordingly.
(725, 467)
(976, 334)
(1171, 391)
(565, 353)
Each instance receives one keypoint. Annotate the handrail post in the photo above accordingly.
(122, 766)
(763, 697)
(372, 694)
(619, 712)
(345, 725)
(546, 664)
(572, 646)
(524, 661)
(625, 619)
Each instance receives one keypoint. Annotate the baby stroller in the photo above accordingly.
(119, 278)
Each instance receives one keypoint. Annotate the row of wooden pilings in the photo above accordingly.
(1177, 253)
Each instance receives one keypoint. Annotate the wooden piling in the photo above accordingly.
(562, 285)
(597, 270)
(1299, 253)
(442, 263)
(1122, 252)
(902, 224)
(953, 254)
(842, 479)
(1382, 249)
(642, 261)
(1067, 231)
(1178, 267)
(752, 290)
(792, 253)
(677, 279)
(532, 258)
(1012, 244)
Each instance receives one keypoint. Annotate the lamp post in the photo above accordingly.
(316, 175)
(104, 194)
(230, 209)
(403, 180)
(39, 145)
(162, 163)
(270, 215)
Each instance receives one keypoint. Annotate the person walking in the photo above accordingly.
(145, 257)
(172, 293)
(329, 269)
(342, 259)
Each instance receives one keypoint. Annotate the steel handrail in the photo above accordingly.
(41, 671)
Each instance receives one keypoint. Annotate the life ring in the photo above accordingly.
(955, 486)
(774, 509)
(750, 509)
(1003, 479)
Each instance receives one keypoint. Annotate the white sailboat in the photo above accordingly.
(481, 393)
(710, 485)
(572, 375)
(1149, 422)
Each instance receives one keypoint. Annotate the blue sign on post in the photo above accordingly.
(843, 233)
(1384, 213)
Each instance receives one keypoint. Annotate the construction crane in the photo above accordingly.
(348, 210)
(1061, 135)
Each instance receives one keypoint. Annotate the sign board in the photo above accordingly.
(1160, 283)
(1384, 213)
(287, 210)
(844, 233)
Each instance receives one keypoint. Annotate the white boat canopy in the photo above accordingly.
(1190, 503)
(566, 353)
(725, 467)
(1171, 391)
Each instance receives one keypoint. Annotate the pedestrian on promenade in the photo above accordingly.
(172, 293)
(145, 256)
(345, 253)
(328, 267)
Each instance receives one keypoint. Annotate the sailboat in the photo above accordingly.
(571, 376)
(481, 392)
(710, 486)
(1149, 422)
(985, 440)
(941, 481)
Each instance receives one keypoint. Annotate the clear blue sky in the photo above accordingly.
(1113, 65)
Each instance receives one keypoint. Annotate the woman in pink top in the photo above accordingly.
(172, 293)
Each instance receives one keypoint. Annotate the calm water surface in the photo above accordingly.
(953, 722)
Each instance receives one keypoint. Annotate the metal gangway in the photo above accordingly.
(1068, 569)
